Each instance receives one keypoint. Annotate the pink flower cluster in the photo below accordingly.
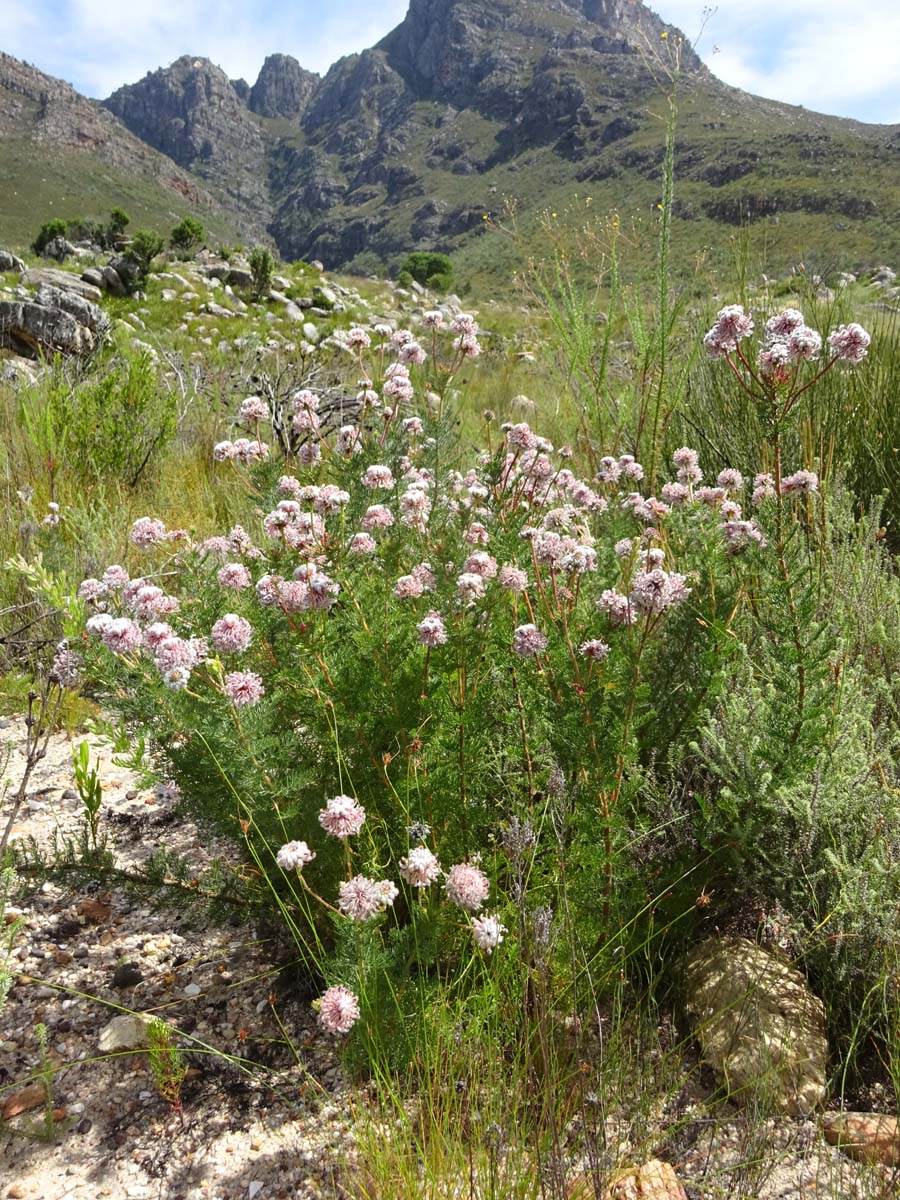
(342, 816)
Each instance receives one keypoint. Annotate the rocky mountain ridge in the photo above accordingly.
(470, 103)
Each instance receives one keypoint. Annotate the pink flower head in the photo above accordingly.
(377, 516)
(408, 587)
(487, 933)
(361, 898)
(96, 624)
(254, 409)
(156, 634)
(223, 451)
(800, 481)
(305, 399)
(267, 590)
(732, 326)
(231, 634)
(529, 641)
(338, 1010)
(243, 687)
(420, 868)
(147, 531)
(630, 468)
(763, 488)
(91, 590)
(784, 323)
(477, 535)
(656, 590)
(512, 578)
(433, 319)
(294, 856)
(467, 886)
(412, 352)
(609, 470)
(310, 454)
(121, 636)
(289, 485)
(520, 437)
(481, 563)
(342, 816)
(431, 630)
(348, 440)
(594, 649)
(730, 479)
(617, 607)
(115, 577)
(850, 343)
(469, 587)
(804, 343)
(362, 543)
(358, 339)
(233, 575)
(378, 476)
(675, 493)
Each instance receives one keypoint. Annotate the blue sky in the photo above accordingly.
(818, 53)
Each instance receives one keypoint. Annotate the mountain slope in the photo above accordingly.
(63, 155)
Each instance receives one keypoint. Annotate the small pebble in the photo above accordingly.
(193, 989)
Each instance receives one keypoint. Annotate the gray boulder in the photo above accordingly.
(58, 248)
(9, 262)
(112, 281)
(61, 279)
(93, 276)
(84, 312)
(758, 1024)
(32, 329)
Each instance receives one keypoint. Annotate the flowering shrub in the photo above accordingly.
(403, 676)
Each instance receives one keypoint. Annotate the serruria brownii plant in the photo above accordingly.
(385, 666)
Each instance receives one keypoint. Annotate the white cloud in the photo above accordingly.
(811, 52)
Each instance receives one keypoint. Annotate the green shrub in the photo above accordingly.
(48, 232)
(112, 426)
(143, 248)
(404, 279)
(262, 267)
(187, 234)
(424, 265)
(118, 221)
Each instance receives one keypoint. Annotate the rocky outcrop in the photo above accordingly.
(9, 262)
(67, 282)
(283, 88)
(55, 322)
(758, 1024)
(191, 112)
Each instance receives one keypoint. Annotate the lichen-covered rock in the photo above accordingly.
(866, 1137)
(654, 1180)
(758, 1024)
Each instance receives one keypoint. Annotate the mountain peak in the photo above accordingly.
(283, 88)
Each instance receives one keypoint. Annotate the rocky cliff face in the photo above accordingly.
(191, 112)
(283, 88)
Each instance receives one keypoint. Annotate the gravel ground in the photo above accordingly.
(279, 1128)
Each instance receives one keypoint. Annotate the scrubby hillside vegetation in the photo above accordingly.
(497, 695)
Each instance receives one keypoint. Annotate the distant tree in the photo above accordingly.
(262, 267)
(424, 265)
(143, 248)
(118, 219)
(187, 234)
(48, 231)
(404, 279)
